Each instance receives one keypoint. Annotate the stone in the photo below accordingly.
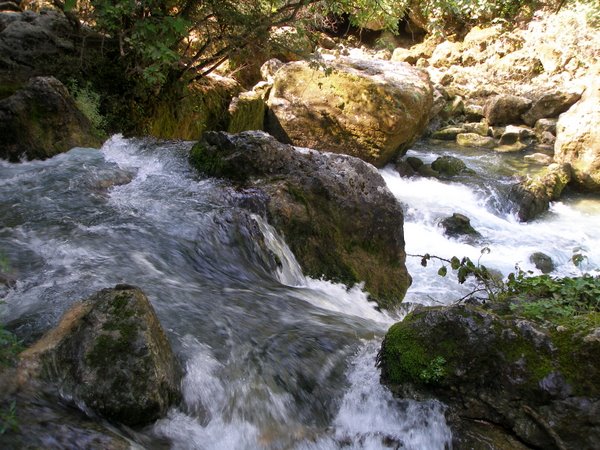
(475, 140)
(247, 112)
(545, 126)
(41, 120)
(447, 133)
(542, 262)
(514, 139)
(473, 112)
(414, 162)
(539, 158)
(370, 109)
(480, 128)
(541, 386)
(505, 109)
(110, 353)
(578, 138)
(550, 105)
(448, 166)
(454, 108)
(533, 195)
(458, 225)
(270, 68)
(335, 211)
(446, 54)
(403, 168)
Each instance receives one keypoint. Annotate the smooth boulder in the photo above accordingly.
(373, 110)
(578, 138)
(111, 353)
(505, 109)
(334, 211)
(41, 120)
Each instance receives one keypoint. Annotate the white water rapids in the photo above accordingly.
(273, 359)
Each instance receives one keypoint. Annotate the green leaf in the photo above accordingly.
(70, 5)
(443, 271)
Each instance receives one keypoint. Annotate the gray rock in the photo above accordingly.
(335, 211)
(490, 367)
(542, 262)
(458, 225)
(550, 105)
(448, 166)
(110, 353)
(506, 109)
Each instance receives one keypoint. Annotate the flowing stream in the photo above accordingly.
(273, 359)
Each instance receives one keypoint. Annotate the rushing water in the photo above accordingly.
(273, 359)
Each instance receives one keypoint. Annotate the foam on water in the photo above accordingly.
(567, 229)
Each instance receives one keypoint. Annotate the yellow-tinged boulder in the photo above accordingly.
(373, 110)
(578, 138)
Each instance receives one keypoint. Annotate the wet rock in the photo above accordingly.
(404, 168)
(447, 133)
(540, 385)
(539, 158)
(335, 211)
(505, 109)
(448, 166)
(480, 128)
(578, 138)
(110, 353)
(533, 195)
(475, 140)
(542, 262)
(550, 105)
(458, 225)
(42, 120)
(373, 110)
(414, 162)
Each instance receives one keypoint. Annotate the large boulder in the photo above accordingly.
(34, 44)
(42, 120)
(110, 353)
(370, 109)
(505, 109)
(335, 211)
(550, 105)
(532, 196)
(578, 138)
(541, 384)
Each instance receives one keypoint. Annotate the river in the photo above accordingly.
(273, 360)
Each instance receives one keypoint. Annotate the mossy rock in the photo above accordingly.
(111, 353)
(542, 384)
(373, 110)
(533, 195)
(247, 112)
(41, 120)
(334, 211)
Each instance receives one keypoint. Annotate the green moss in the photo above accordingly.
(249, 114)
(406, 358)
(208, 162)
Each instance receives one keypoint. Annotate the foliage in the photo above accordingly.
(435, 371)
(10, 347)
(556, 300)
(568, 301)
(8, 418)
(486, 280)
(88, 102)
